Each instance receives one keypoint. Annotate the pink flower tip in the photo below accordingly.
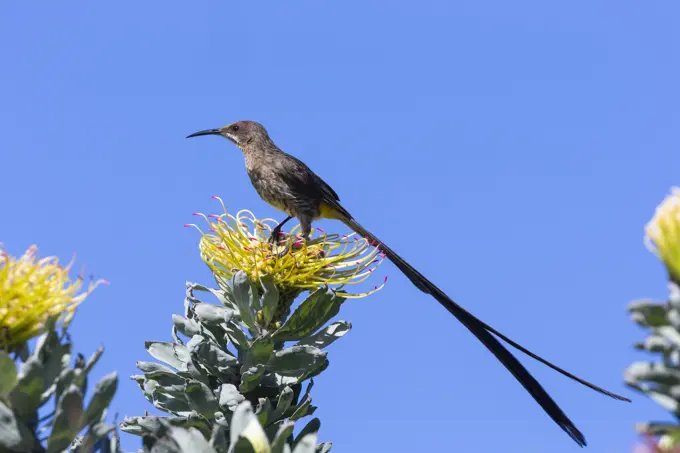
(105, 282)
(215, 197)
(213, 216)
(196, 213)
(385, 281)
(321, 229)
(187, 225)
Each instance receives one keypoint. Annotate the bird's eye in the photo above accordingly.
(234, 128)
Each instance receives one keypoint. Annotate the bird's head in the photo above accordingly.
(241, 133)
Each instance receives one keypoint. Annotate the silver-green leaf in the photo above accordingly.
(297, 360)
(68, 420)
(101, 398)
(310, 315)
(201, 399)
(8, 373)
(326, 336)
(270, 298)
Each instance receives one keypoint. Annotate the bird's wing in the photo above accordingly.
(303, 180)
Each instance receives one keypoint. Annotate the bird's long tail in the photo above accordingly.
(484, 332)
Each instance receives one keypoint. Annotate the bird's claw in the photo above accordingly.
(274, 236)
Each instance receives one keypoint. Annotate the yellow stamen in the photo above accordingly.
(663, 233)
(32, 291)
(241, 243)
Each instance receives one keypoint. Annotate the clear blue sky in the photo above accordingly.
(512, 151)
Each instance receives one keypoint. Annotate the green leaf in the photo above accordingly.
(195, 370)
(655, 343)
(224, 294)
(65, 379)
(243, 445)
(68, 420)
(96, 432)
(190, 440)
(244, 425)
(312, 427)
(236, 336)
(230, 397)
(8, 373)
(313, 372)
(260, 351)
(285, 399)
(94, 358)
(57, 357)
(240, 420)
(674, 297)
(270, 298)
(306, 445)
(648, 313)
(667, 402)
(150, 367)
(326, 336)
(174, 355)
(264, 411)
(14, 435)
(170, 403)
(101, 398)
(653, 372)
(282, 435)
(670, 334)
(214, 358)
(297, 360)
(250, 378)
(25, 395)
(219, 436)
(310, 315)
(195, 341)
(201, 399)
(47, 339)
(324, 447)
(245, 298)
(673, 317)
(213, 314)
(169, 383)
(304, 407)
(187, 327)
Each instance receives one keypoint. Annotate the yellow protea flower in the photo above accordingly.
(33, 290)
(663, 233)
(240, 242)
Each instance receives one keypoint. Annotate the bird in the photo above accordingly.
(289, 185)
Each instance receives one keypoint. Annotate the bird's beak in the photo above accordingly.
(205, 132)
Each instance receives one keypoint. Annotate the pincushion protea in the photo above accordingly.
(240, 242)
(32, 291)
(663, 233)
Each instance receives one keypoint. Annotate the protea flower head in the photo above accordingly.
(240, 242)
(32, 291)
(663, 233)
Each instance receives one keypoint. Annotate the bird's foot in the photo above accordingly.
(274, 237)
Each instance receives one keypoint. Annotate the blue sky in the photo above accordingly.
(512, 151)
